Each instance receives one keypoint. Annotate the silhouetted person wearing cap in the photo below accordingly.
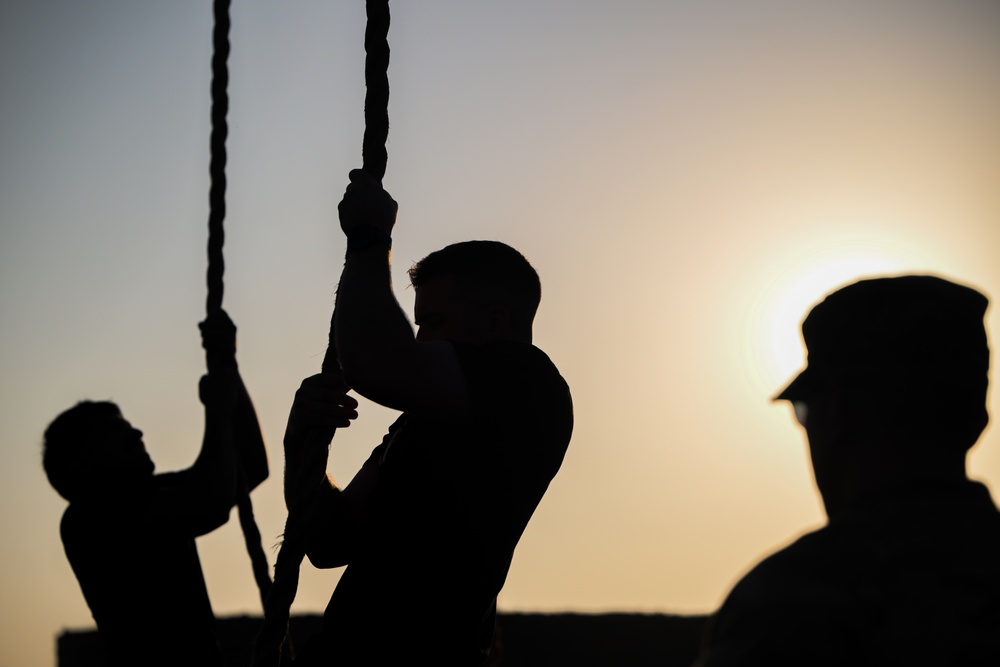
(907, 570)
(129, 534)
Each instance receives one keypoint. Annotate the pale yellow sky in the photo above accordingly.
(687, 178)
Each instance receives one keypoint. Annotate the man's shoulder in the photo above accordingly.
(69, 525)
(796, 560)
(510, 362)
(516, 389)
(511, 350)
(868, 549)
(807, 584)
(89, 527)
(510, 368)
(812, 568)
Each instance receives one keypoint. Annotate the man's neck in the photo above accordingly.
(888, 475)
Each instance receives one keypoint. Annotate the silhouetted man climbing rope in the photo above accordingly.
(428, 525)
(907, 570)
(129, 533)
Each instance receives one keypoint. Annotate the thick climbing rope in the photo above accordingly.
(312, 470)
(373, 152)
(217, 165)
(216, 263)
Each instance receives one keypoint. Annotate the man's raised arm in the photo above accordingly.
(381, 358)
(198, 500)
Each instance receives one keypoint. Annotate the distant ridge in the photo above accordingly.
(523, 640)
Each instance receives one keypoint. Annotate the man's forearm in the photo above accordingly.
(372, 334)
(248, 440)
(215, 472)
(310, 491)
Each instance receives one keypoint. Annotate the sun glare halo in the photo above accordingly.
(775, 351)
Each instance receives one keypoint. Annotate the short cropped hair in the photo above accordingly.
(67, 441)
(492, 266)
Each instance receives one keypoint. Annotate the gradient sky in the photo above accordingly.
(687, 177)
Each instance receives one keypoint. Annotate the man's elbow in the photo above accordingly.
(209, 520)
(325, 558)
(218, 507)
(361, 371)
(219, 519)
(373, 380)
(374, 370)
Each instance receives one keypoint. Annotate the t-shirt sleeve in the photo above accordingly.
(507, 378)
(518, 394)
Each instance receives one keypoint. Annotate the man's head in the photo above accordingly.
(92, 447)
(475, 291)
(906, 356)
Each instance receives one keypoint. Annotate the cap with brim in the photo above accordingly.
(896, 331)
(798, 388)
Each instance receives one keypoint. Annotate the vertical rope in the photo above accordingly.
(217, 167)
(373, 152)
(251, 538)
(216, 262)
(273, 646)
(312, 472)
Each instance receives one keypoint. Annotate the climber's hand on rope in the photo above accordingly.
(321, 406)
(365, 202)
(218, 337)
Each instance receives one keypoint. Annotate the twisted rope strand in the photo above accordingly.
(251, 538)
(217, 168)
(216, 261)
(373, 151)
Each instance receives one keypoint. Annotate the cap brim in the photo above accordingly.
(798, 388)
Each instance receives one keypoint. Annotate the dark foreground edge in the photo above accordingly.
(523, 640)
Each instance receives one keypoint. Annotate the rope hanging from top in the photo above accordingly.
(373, 152)
(216, 262)
(312, 472)
(217, 166)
